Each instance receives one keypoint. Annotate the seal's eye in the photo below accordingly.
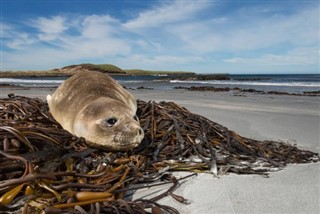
(110, 121)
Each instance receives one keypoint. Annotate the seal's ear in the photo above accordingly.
(109, 122)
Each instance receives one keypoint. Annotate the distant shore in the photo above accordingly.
(113, 71)
(73, 69)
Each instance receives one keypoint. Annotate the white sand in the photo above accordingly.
(296, 189)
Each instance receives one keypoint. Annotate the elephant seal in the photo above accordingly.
(94, 106)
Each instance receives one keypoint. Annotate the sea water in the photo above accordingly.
(291, 83)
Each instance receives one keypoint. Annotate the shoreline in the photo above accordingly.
(250, 90)
(292, 119)
(236, 91)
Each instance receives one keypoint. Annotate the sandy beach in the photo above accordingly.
(293, 119)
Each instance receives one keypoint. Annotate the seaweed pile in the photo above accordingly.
(43, 168)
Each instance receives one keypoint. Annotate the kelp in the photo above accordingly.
(43, 168)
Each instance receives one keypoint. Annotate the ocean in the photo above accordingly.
(291, 83)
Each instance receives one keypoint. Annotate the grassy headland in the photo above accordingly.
(17, 74)
(72, 69)
(147, 72)
(109, 69)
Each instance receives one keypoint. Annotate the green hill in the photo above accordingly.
(147, 72)
(72, 69)
(105, 68)
(112, 70)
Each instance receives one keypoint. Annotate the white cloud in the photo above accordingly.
(48, 58)
(5, 30)
(50, 28)
(41, 58)
(97, 48)
(166, 13)
(149, 45)
(21, 40)
(99, 36)
(96, 27)
(14, 39)
(172, 35)
(93, 37)
(234, 34)
(298, 56)
(53, 25)
(158, 62)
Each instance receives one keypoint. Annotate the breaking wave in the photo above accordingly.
(29, 81)
(253, 83)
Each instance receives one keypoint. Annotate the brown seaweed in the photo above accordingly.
(45, 168)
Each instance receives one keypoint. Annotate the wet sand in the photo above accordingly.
(295, 119)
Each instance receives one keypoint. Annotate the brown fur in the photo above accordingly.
(85, 101)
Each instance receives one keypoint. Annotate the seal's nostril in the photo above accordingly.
(140, 131)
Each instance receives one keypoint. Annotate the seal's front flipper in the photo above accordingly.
(49, 98)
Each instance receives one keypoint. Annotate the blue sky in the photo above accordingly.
(203, 36)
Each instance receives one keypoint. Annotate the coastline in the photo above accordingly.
(293, 119)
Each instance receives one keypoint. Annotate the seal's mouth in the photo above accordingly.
(112, 147)
(131, 142)
(123, 140)
(129, 138)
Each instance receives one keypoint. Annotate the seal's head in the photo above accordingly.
(108, 125)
